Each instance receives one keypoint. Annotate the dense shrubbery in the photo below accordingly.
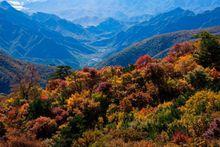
(43, 127)
(2, 130)
(209, 52)
(154, 102)
(214, 129)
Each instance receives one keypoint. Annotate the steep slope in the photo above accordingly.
(110, 25)
(156, 46)
(62, 26)
(106, 29)
(172, 21)
(24, 38)
(11, 70)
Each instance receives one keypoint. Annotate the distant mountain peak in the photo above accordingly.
(46, 15)
(5, 5)
(110, 21)
(110, 24)
(180, 10)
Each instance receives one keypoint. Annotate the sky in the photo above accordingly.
(19, 4)
(118, 9)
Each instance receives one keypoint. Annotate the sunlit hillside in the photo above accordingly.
(109, 73)
(174, 101)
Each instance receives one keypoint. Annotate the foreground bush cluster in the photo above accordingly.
(171, 101)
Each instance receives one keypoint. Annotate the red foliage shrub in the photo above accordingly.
(43, 127)
(156, 72)
(213, 130)
(17, 143)
(60, 114)
(23, 141)
(178, 50)
(140, 100)
(92, 72)
(12, 113)
(143, 61)
(215, 74)
(54, 84)
(125, 105)
(180, 138)
(104, 87)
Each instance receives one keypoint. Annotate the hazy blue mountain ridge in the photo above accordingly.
(156, 46)
(63, 26)
(49, 39)
(175, 20)
(25, 38)
(120, 9)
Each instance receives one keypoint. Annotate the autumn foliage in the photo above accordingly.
(156, 102)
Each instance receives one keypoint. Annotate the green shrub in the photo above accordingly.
(39, 108)
(209, 51)
(199, 78)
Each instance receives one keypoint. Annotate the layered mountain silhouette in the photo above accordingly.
(106, 29)
(48, 39)
(66, 28)
(26, 37)
(156, 46)
(175, 20)
(119, 9)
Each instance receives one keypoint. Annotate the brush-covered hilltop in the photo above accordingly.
(173, 101)
(13, 70)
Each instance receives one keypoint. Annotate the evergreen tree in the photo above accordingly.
(61, 72)
(209, 52)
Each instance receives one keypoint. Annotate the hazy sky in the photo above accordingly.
(74, 9)
(19, 4)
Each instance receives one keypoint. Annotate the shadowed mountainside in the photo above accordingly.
(12, 70)
(22, 37)
(155, 46)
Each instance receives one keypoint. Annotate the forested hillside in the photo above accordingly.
(12, 71)
(174, 20)
(171, 101)
(156, 46)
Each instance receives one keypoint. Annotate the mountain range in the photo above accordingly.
(175, 20)
(43, 38)
(172, 21)
(48, 39)
(156, 46)
(120, 9)
(33, 39)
